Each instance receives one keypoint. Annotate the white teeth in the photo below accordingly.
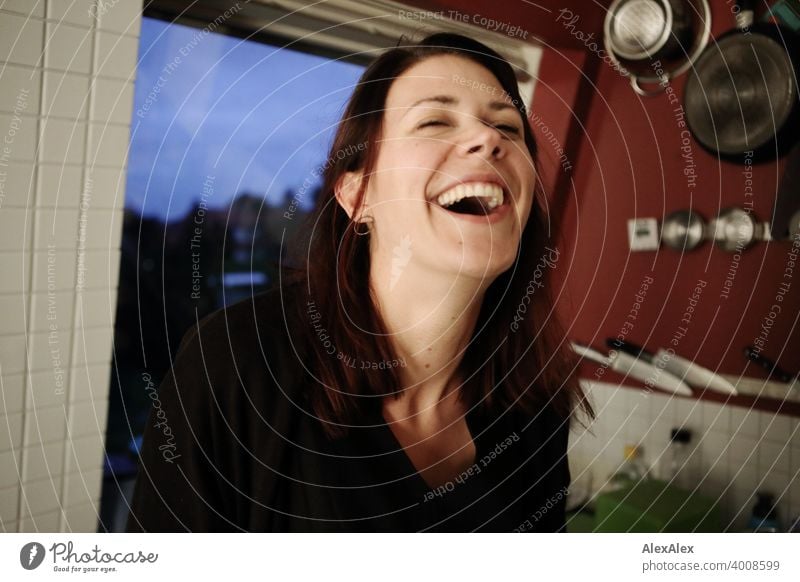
(491, 192)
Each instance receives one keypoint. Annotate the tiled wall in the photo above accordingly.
(66, 93)
(737, 451)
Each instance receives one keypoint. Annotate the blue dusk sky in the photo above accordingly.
(257, 118)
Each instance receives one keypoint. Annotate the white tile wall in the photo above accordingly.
(59, 186)
(21, 39)
(21, 78)
(66, 96)
(20, 184)
(737, 451)
(21, 130)
(26, 7)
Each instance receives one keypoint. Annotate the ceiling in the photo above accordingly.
(552, 22)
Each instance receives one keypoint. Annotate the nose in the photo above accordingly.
(485, 141)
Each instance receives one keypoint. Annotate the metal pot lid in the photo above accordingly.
(638, 28)
(740, 93)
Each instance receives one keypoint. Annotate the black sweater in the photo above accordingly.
(231, 445)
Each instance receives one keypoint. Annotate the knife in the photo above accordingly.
(772, 368)
(627, 365)
(694, 374)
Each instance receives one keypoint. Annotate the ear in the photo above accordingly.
(346, 190)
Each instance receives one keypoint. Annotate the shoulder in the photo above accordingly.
(272, 310)
(245, 346)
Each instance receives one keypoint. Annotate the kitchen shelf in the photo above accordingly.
(749, 401)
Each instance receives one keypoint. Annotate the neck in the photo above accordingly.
(430, 330)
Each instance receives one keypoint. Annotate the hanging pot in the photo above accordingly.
(741, 96)
(648, 29)
(639, 34)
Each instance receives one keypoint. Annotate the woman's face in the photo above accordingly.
(450, 132)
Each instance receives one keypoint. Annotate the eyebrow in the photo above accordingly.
(450, 100)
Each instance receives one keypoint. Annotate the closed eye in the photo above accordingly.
(508, 129)
(431, 123)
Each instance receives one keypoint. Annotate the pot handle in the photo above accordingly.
(637, 86)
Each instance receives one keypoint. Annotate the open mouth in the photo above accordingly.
(477, 198)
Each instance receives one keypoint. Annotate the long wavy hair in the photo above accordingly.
(517, 357)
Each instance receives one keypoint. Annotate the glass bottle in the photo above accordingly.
(675, 467)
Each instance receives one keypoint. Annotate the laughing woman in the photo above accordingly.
(411, 377)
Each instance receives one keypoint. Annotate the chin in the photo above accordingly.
(486, 267)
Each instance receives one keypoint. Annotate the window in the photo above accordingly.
(224, 137)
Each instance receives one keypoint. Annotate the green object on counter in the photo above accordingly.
(655, 506)
(580, 522)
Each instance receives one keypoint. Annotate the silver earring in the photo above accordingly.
(368, 220)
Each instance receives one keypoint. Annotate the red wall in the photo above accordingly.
(628, 163)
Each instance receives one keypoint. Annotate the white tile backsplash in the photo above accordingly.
(121, 17)
(41, 496)
(51, 309)
(69, 48)
(12, 354)
(45, 425)
(83, 488)
(15, 229)
(44, 523)
(56, 227)
(88, 418)
(108, 145)
(21, 132)
(77, 12)
(21, 39)
(92, 346)
(101, 269)
(82, 518)
(19, 186)
(103, 229)
(63, 141)
(13, 394)
(26, 7)
(20, 83)
(113, 101)
(9, 500)
(65, 95)
(96, 308)
(48, 387)
(42, 461)
(108, 187)
(47, 351)
(10, 432)
(14, 310)
(9, 469)
(116, 55)
(85, 453)
(744, 422)
(53, 270)
(737, 451)
(53, 91)
(90, 382)
(59, 186)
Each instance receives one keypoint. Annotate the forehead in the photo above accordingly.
(443, 74)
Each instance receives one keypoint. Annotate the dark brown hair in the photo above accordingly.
(341, 311)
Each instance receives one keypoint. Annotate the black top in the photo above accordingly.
(230, 445)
